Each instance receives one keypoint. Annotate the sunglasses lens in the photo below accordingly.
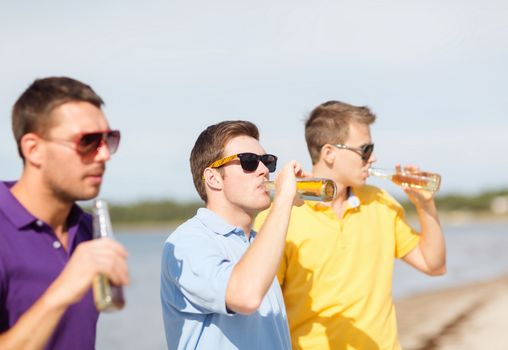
(89, 143)
(367, 151)
(270, 161)
(113, 140)
(249, 161)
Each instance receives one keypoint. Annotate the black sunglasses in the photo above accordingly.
(249, 161)
(364, 151)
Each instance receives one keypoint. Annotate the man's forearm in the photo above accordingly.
(34, 328)
(253, 275)
(432, 243)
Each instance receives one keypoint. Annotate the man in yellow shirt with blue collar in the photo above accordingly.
(336, 272)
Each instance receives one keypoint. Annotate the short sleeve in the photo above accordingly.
(406, 238)
(195, 273)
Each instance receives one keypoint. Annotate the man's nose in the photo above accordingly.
(103, 153)
(262, 168)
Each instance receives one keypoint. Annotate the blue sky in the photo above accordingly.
(434, 72)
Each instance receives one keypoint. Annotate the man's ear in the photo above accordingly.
(213, 179)
(32, 149)
(327, 154)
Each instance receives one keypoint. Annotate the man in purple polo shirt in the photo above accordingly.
(47, 258)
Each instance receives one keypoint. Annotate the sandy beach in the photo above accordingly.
(470, 317)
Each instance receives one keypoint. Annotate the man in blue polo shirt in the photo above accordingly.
(47, 261)
(218, 285)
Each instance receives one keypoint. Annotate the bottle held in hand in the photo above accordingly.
(107, 296)
(420, 180)
(313, 189)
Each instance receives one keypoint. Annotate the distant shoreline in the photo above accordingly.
(461, 218)
(457, 218)
(146, 227)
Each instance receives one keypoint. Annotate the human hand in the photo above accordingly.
(418, 197)
(98, 256)
(285, 182)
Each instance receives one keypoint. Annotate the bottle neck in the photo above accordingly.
(101, 221)
(270, 185)
(382, 173)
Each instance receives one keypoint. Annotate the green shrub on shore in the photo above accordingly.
(174, 212)
(151, 212)
(481, 203)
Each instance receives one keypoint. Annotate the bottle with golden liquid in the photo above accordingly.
(420, 180)
(312, 189)
(107, 296)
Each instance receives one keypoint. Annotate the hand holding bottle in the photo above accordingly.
(410, 176)
(420, 186)
(107, 294)
(286, 182)
(89, 259)
(313, 189)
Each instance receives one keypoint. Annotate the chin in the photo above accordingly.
(87, 195)
(262, 205)
(266, 206)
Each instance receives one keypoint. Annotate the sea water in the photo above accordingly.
(475, 252)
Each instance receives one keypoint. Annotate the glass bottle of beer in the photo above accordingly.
(107, 296)
(421, 180)
(313, 189)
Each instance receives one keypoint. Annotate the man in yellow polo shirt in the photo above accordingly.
(336, 272)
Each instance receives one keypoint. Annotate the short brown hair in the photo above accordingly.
(210, 144)
(329, 123)
(31, 112)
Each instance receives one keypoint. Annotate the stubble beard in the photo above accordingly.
(70, 197)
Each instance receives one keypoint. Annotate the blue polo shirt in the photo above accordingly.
(197, 262)
(31, 257)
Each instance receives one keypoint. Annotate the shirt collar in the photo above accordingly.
(17, 214)
(14, 211)
(353, 200)
(216, 223)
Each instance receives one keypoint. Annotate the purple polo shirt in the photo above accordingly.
(31, 257)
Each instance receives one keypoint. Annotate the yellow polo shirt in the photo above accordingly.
(336, 275)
